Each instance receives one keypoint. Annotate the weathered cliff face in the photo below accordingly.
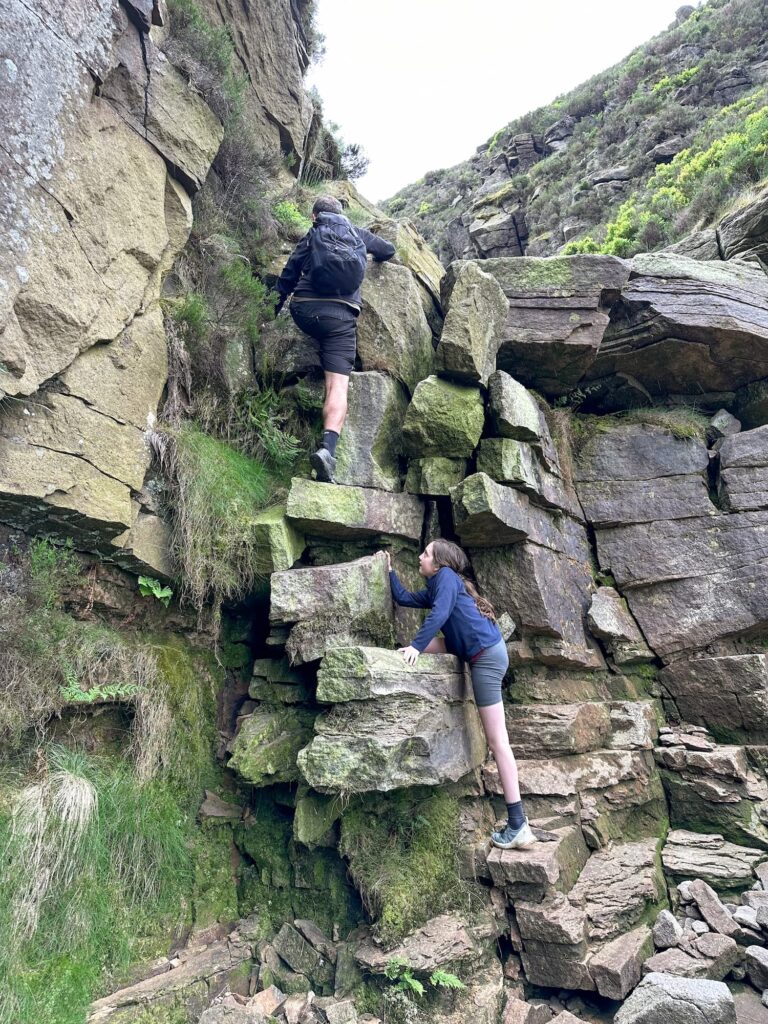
(592, 430)
(640, 156)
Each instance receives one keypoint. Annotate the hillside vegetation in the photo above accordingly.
(639, 156)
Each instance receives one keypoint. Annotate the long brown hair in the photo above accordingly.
(446, 553)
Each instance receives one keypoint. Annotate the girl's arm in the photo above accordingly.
(443, 603)
(407, 598)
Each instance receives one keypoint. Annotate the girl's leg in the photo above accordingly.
(435, 646)
(495, 728)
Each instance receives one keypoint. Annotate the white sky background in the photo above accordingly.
(420, 84)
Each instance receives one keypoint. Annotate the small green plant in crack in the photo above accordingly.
(400, 971)
(150, 587)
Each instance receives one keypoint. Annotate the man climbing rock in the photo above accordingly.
(325, 273)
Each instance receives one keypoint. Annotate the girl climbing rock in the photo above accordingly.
(469, 626)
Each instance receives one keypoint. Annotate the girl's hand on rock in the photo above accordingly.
(410, 654)
(386, 555)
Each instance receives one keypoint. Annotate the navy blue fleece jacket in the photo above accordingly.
(466, 631)
(294, 279)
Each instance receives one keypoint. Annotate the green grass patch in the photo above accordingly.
(218, 491)
(96, 868)
(290, 216)
(403, 853)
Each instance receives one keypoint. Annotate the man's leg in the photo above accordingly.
(335, 405)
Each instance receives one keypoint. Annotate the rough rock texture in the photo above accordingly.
(684, 321)
(200, 975)
(617, 967)
(393, 333)
(391, 725)
(369, 447)
(552, 730)
(711, 566)
(636, 473)
(530, 874)
(558, 313)
(728, 692)
(662, 997)
(93, 219)
(743, 481)
(744, 233)
(279, 544)
(443, 419)
(476, 309)
(516, 414)
(516, 463)
(721, 864)
(338, 512)
(444, 940)
(265, 747)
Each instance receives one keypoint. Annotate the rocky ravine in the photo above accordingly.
(626, 553)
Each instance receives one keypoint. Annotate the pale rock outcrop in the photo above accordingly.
(743, 481)
(609, 620)
(339, 512)
(332, 606)
(728, 692)
(725, 866)
(682, 321)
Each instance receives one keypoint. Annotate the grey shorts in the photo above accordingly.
(487, 674)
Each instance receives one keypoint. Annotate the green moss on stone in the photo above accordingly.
(265, 748)
(326, 503)
(434, 475)
(215, 890)
(443, 419)
(403, 855)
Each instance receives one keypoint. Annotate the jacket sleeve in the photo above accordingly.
(406, 598)
(443, 603)
(292, 272)
(379, 248)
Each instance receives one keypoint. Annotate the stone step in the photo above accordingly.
(534, 873)
(339, 512)
(391, 725)
(543, 731)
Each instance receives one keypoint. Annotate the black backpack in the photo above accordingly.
(337, 257)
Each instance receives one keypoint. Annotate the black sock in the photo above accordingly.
(515, 815)
(330, 440)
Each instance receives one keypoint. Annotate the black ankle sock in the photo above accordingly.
(330, 440)
(515, 815)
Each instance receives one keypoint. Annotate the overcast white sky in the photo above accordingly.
(421, 83)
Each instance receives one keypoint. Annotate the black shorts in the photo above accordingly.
(333, 325)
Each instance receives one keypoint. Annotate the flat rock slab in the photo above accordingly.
(617, 887)
(610, 620)
(725, 866)
(487, 514)
(476, 311)
(682, 321)
(391, 742)
(393, 333)
(554, 920)
(716, 567)
(331, 510)
(743, 482)
(361, 673)
(636, 472)
(447, 939)
(542, 731)
(532, 873)
(368, 454)
(558, 312)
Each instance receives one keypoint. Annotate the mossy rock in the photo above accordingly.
(215, 889)
(265, 749)
(434, 475)
(443, 419)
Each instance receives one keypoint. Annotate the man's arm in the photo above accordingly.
(379, 248)
(291, 272)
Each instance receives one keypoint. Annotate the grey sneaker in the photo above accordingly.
(511, 839)
(324, 465)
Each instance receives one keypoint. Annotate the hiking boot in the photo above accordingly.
(514, 839)
(324, 465)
